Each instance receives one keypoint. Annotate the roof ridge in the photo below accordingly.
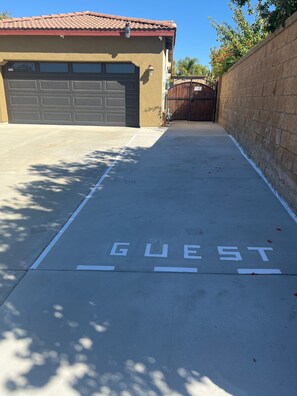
(91, 13)
(134, 19)
(48, 16)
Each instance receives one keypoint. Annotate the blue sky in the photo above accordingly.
(195, 36)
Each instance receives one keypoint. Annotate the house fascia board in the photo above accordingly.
(90, 33)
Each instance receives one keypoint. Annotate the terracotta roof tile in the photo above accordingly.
(86, 20)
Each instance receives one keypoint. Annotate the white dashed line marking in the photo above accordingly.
(95, 268)
(175, 269)
(248, 271)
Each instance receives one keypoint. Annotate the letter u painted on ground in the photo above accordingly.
(148, 251)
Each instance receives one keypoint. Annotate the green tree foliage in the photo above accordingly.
(273, 12)
(173, 67)
(235, 40)
(190, 67)
(221, 60)
(5, 15)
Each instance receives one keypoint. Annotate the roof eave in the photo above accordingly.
(86, 32)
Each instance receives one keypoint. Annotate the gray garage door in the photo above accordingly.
(72, 93)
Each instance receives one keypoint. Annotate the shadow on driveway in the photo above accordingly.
(87, 333)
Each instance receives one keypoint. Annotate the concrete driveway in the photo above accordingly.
(137, 252)
(45, 172)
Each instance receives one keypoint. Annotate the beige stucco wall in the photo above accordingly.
(3, 110)
(142, 51)
(258, 105)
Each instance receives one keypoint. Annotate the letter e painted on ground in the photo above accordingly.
(190, 252)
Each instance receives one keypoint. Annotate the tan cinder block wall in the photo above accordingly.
(258, 105)
(142, 51)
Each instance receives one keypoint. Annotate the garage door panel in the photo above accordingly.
(24, 100)
(114, 86)
(22, 116)
(115, 102)
(56, 101)
(114, 95)
(115, 118)
(88, 86)
(50, 85)
(84, 101)
(69, 98)
(89, 117)
(57, 116)
(22, 85)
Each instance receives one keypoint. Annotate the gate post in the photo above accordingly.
(217, 99)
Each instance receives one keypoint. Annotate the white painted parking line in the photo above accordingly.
(261, 174)
(176, 269)
(95, 268)
(258, 271)
(79, 208)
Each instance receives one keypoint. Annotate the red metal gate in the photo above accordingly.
(192, 101)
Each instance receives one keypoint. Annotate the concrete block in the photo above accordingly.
(292, 32)
(280, 40)
(287, 104)
(290, 68)
(292, 144)
(294, 170)
(289, 51)
(279, 89)
(269, 88)
(290, 86)
(270, 103)
(290, 122)
(287, 159)
(285, 139)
